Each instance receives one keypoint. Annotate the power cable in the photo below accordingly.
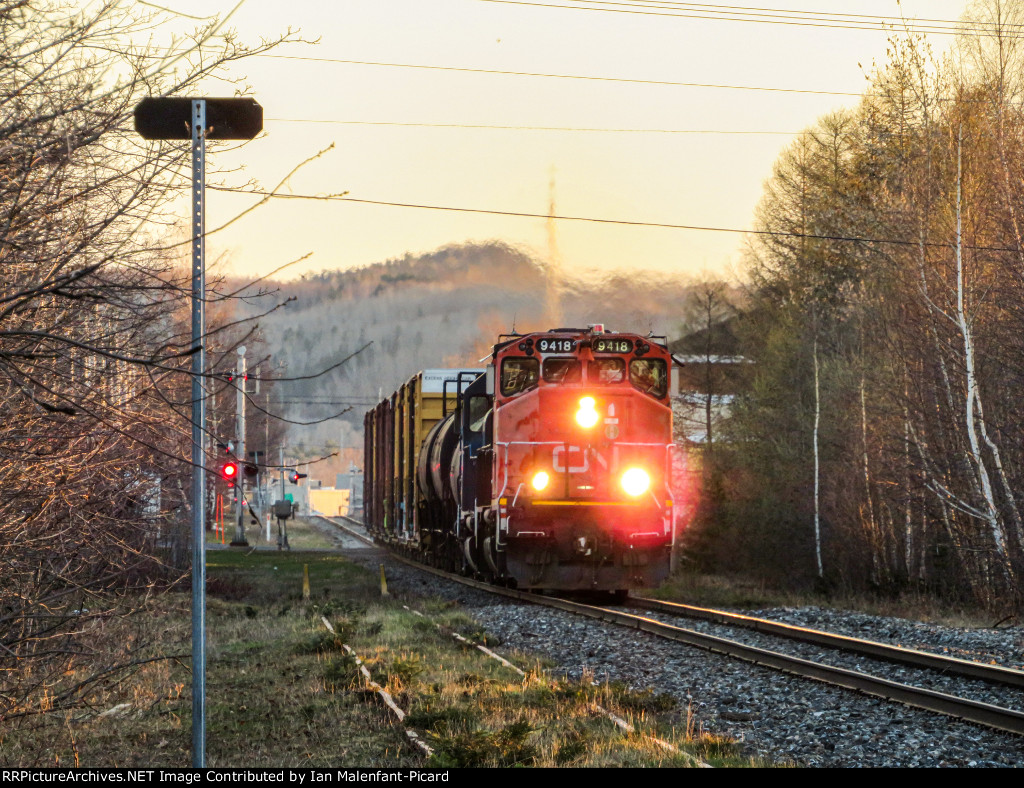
(584, 77)
(758, 11)
(328, 404)
(597, 220)
(850, 24)
(754, 14)
(589, 78)
(525, 128)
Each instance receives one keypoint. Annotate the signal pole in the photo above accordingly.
(280, 455)
(197, 119)
(240, 375)
(198, 128)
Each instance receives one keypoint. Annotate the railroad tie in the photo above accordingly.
(384, 694)
(618, 721)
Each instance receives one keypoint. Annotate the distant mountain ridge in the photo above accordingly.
(445, 308)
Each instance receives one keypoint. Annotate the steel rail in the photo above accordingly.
(997, 717)
(996, 674)
(361, 537)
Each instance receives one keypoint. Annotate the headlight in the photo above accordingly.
(635, 481)
(540, 480)
(587, 416)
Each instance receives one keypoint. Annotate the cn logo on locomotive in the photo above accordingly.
(570, 459)
(576, 459)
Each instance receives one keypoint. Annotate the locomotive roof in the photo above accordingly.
(504, 340)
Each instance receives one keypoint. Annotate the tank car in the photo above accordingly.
(548, 469)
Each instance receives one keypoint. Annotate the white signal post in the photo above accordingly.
(240, 373)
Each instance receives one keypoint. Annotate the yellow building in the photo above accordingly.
(328, 501)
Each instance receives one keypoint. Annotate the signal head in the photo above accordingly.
(229, 471)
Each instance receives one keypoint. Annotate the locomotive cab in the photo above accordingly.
(551, 469)
(581, 471)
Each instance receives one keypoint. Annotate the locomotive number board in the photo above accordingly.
(553, 345)
(609, 345)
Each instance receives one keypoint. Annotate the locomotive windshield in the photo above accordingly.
(650, 375)
(606, 370)
(518, 374)
(562, 370)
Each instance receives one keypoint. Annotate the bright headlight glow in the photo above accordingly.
(540, 480)
(635, 481)
(587, 416)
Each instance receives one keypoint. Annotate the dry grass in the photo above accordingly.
(280, 690)
(303, 534)
(132, 715)
(476, 712)
(736, 592)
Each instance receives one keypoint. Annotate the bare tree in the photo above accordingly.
(93, 346)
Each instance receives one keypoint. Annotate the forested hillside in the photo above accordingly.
(442, 309)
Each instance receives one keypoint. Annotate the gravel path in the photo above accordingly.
(772, 715)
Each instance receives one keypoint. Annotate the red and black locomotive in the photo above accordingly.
(549, 469)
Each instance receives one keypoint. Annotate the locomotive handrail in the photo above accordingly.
(504, 482)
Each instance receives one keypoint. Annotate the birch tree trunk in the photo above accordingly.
(817, 458)
(973, 397)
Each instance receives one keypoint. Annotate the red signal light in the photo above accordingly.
(229, 472)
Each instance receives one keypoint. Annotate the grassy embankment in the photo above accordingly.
(282, 691)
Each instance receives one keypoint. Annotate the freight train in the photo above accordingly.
(549, 469)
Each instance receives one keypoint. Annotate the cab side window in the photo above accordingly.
(479, 407)
(650, 375)
(518, 374)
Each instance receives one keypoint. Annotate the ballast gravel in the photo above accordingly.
(771, 715)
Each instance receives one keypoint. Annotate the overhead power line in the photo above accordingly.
(757, 11)
(525, 128)
(332, 403)
(584, 77)
(598, 220)
(773, 16)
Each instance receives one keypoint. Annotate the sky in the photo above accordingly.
(693, 155)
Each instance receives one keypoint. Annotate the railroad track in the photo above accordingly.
(886, 652)
(989, 715)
